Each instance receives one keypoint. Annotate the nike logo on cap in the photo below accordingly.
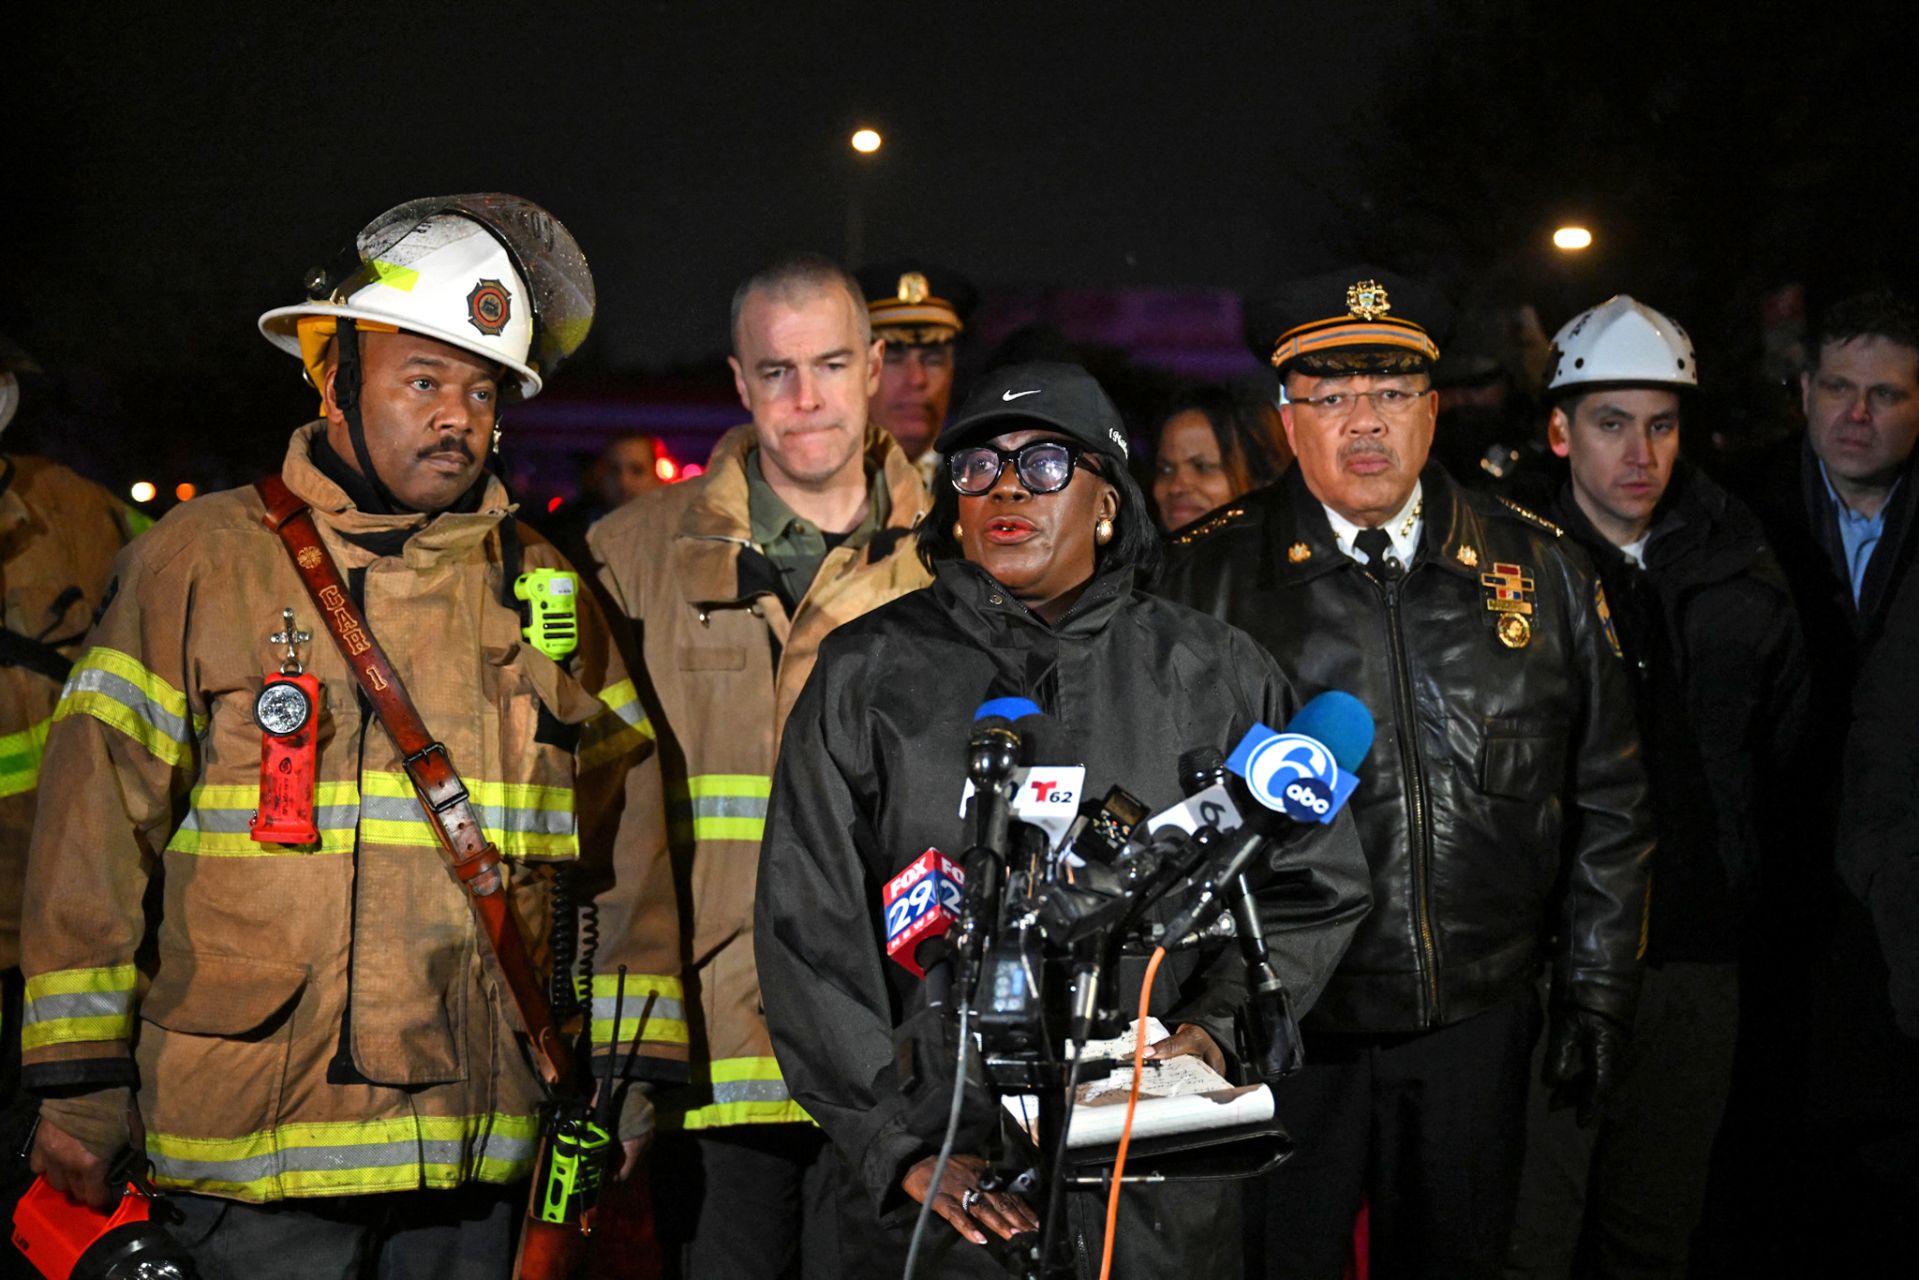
(1014, 395)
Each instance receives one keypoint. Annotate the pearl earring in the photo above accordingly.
(959, 532)
(1103, 531)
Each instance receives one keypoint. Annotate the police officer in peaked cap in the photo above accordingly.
(1501, 811)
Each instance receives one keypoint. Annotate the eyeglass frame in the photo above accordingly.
(1075, 457)
(1379, 406)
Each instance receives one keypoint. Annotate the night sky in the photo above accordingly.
(168, 179)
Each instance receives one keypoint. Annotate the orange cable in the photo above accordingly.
(1132, 1100)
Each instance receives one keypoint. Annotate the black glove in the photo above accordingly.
(1585, 1052)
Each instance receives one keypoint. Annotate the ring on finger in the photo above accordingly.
(969, 1198)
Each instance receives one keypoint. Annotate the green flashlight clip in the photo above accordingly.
(553, 622)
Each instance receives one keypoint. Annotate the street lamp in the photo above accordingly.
(1572, 239)
(866, 141)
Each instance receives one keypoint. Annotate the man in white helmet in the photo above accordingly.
(243, 940)
(1720, 687)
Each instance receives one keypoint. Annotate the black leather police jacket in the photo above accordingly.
(1503, 806)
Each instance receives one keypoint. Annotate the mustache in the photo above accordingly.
(1362, 447)
(448, 444)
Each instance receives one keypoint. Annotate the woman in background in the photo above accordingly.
(1212, 445)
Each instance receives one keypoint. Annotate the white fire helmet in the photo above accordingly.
(1622, 341)
(491, 274)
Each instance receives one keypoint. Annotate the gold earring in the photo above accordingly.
(1103, 531)
(959, 532)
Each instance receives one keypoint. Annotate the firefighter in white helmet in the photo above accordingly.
(281, 984)
(1720, 681)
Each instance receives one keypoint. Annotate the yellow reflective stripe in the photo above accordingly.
(218, 816)
(349, 1157)
(621, 728)
(722, 806)
(719, 1115)
(20, 758)
(623, 700)
(658, 996)
(743, 1091)
(525, 819)
(73, 1005)
(729, 784)
(116, 690)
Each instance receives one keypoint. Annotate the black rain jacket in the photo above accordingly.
(870, 774)
(1722, 686)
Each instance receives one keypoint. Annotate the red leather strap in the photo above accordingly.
(473, 859)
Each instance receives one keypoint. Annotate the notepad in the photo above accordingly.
(1176, 1095)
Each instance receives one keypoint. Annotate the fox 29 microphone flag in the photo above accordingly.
(921, 902)
(1306, 771)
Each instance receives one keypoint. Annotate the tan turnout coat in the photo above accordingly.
(320, 1020)
(724, 663)
(58, 536)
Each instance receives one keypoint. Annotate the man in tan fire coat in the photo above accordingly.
(312, 1034)
(799, 523)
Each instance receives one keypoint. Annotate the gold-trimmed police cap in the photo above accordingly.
(915, 303)
(1360, 319)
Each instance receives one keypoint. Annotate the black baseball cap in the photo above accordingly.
(1043, 393)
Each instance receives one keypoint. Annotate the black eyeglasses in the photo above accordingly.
(1044, 466)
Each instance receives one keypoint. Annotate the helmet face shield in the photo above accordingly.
(489, 273)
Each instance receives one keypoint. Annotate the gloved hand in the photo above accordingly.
(80, 1137)
(1585, 1052)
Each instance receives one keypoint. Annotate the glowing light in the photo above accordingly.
(1572, 239)
(143, 491)
(866, 141)
(553, 504)
(666, 469)
(690, 470)
(184, 490)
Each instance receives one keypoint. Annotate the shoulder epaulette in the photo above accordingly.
(1207, 528)
(1532, 516)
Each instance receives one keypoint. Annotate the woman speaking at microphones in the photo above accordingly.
(1038, 538)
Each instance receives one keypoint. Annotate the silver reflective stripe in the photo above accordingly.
(130, 696)
(329, 817)
(656, 1008)
(508, 1149)
(78, 1004)
(545, 822)
(750, 1091)
(337, 1159)
(725, 806)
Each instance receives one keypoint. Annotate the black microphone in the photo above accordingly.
(992, 755)
(1272, 1032)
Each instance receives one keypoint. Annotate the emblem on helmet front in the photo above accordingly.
(1367, 300)
(489, 307)
(914, 287)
